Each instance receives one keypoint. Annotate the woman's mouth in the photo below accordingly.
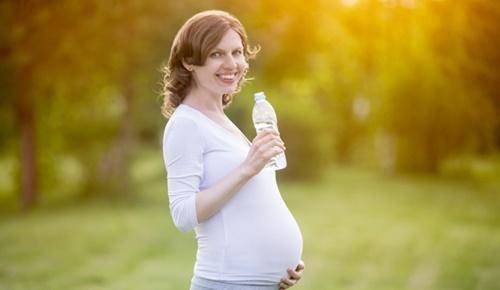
(227, 78)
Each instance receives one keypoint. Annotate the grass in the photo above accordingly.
(362, 230)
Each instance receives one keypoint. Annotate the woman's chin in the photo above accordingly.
(228, 90)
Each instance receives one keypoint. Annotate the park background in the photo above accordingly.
(390, 111)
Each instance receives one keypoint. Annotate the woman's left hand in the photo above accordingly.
(293, 276)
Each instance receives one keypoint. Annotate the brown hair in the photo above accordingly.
(193, 42)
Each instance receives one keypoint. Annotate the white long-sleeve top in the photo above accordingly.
(253, 237)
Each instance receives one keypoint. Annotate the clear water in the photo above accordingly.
(259, 126)
(279, 161)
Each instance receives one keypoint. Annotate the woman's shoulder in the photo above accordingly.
(182, 114)
(183, 121)
(183, 135)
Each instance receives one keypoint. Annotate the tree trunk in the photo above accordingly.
(26, 121)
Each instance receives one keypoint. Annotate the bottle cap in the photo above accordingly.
(259, 96)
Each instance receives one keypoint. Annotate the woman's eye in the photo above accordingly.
(237, 52)
(216, 54)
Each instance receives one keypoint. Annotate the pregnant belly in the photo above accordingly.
(263, 245)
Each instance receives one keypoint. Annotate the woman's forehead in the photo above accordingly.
(231, 40)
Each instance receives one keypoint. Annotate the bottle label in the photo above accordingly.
(259, 126)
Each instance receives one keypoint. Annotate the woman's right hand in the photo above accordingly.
(265, 146)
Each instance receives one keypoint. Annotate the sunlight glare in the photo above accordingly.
(349, 2)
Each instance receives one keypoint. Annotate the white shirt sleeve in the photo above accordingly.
(183, 145)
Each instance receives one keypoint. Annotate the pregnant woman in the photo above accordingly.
(217, 184)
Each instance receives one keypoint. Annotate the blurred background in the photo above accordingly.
(390, 110)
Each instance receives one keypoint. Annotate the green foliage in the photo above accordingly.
(401, 85)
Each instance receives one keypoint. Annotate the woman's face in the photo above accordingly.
(223, 67)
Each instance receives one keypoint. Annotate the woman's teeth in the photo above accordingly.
(227, 76)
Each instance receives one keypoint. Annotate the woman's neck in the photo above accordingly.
(204, 102)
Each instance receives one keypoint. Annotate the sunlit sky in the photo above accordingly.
(405, 3)
(349, 2)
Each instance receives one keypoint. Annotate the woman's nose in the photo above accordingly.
(230, 62)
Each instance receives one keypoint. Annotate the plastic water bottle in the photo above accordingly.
(264, 117)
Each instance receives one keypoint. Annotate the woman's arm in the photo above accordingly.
(210, 200)
(266, 145)
(183, 147)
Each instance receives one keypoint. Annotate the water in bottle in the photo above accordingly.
(264, 117)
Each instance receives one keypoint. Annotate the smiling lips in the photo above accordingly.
(227, 78)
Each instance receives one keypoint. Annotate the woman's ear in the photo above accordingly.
(187, 66)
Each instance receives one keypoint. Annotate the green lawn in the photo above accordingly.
(362, 230)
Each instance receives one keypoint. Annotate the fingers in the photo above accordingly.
(286, 282)
(264, 136)
(268, 145)
(294, 275)
(300, 267)
(272, 148)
